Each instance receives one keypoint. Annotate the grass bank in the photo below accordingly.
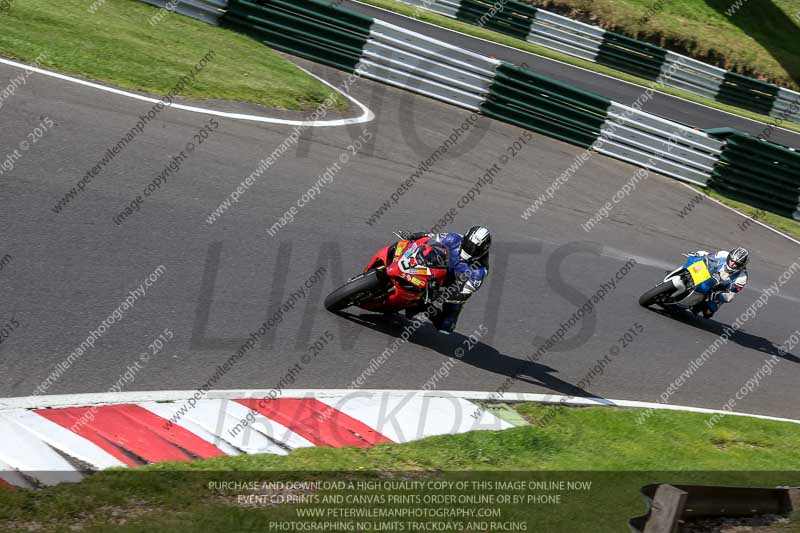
(476, 31)
(604, 447)
(117, 44)
(757, 38)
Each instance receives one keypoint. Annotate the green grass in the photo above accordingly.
(602, 445)
(118, 45)
(760, 39)
(476, 31)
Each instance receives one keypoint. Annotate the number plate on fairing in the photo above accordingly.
(699, 272)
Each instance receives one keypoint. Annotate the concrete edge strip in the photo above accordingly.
(366, 114)
(71, 400)
(570, 65)
(116, 432)
(132, 427)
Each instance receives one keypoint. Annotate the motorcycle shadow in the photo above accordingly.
(481, 355)
(742, 338)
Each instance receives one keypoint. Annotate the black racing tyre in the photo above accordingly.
(353, 291)
(656, 294)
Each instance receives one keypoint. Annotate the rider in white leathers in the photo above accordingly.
(730, 267)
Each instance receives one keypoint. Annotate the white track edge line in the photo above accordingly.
(568, 64)
(67, 400)
(742, 214)
(366, 114)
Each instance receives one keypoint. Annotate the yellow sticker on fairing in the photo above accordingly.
(699, 272)
(401, 246)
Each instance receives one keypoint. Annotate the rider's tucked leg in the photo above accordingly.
(446, 319)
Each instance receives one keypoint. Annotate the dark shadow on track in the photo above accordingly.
(742, 338)
(480, 356)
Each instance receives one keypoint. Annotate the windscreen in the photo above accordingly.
(432, 256)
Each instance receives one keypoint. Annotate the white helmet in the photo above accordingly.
(475, 244)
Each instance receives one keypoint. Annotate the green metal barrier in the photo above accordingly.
(760, 173)
(546, 106)
(511, 18)
(747, 93)
(632, 56)
(757, 172)
(314, 30)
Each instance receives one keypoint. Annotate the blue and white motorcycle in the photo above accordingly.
(686, 287)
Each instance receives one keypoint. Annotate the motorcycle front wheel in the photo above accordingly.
(657, 294)
(354, 291)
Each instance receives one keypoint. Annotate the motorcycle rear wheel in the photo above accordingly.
(354, 292)
(657, 294)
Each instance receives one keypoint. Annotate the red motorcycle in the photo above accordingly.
(401, 275)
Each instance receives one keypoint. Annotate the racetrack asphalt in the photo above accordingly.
(662, 104)
(69, 271)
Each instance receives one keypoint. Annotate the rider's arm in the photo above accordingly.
(468, 281)
(726, 296)
(735, 287)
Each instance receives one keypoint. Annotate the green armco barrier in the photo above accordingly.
(630, 55)
(546, 106)
(314, 30)
(619, 52)
(747, 93)
(325, 11)
(761, 173)
(290, 23)
(512, 18)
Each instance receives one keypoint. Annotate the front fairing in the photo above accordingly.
(707, 285)
(409, 273)
(414, 263)
(688, 293)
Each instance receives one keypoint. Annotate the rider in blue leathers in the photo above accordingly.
(469, 266)
(729, 267)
